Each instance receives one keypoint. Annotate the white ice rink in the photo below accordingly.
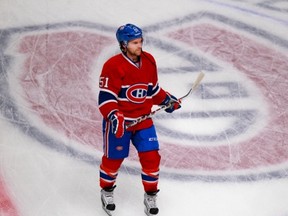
(225, 153)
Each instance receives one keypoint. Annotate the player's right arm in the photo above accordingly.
(110, 85)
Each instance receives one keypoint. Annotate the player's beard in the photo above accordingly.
(134, 55)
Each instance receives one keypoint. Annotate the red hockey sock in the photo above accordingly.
(109, 171)
(150, 162)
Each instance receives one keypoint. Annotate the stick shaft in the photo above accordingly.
(193, 88)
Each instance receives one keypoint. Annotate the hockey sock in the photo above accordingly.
(109, 171)
(150, 162)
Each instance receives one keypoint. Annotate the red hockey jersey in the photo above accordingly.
(129, 88)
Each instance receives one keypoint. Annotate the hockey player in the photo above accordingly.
(128, 89)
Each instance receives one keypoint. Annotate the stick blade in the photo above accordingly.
(198, 80)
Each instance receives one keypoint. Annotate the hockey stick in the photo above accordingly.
(191, 90)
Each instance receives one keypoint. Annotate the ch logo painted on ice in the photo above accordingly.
(56, 82)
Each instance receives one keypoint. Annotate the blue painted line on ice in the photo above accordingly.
(285, 22)
(269, 5)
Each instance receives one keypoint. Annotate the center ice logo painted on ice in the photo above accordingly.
(55, 79)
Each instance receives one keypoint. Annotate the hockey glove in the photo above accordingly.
(172, 102)
(117, 123)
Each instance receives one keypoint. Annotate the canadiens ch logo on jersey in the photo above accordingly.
(137, 93)
(228, 130)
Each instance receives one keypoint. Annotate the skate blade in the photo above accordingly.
(107, 211)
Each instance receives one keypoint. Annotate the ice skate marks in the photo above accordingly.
(57, 92)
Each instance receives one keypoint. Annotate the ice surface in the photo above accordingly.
(224, 152)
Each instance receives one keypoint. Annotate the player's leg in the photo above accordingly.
(108, 174)
(109, 171)
(115, 150)
(147, 145)
(150, 162)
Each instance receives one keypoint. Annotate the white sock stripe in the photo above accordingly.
(111, 173)
(151, 173)
(150, 182)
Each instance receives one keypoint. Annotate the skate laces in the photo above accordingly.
(108, 196)
(151, 201)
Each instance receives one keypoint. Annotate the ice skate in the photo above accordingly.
(150, 203)
(107, 199)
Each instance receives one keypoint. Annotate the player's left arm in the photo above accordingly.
(171, 102)
(162, 97)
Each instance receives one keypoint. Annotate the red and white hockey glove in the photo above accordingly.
(172, 102)
(117, 123)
